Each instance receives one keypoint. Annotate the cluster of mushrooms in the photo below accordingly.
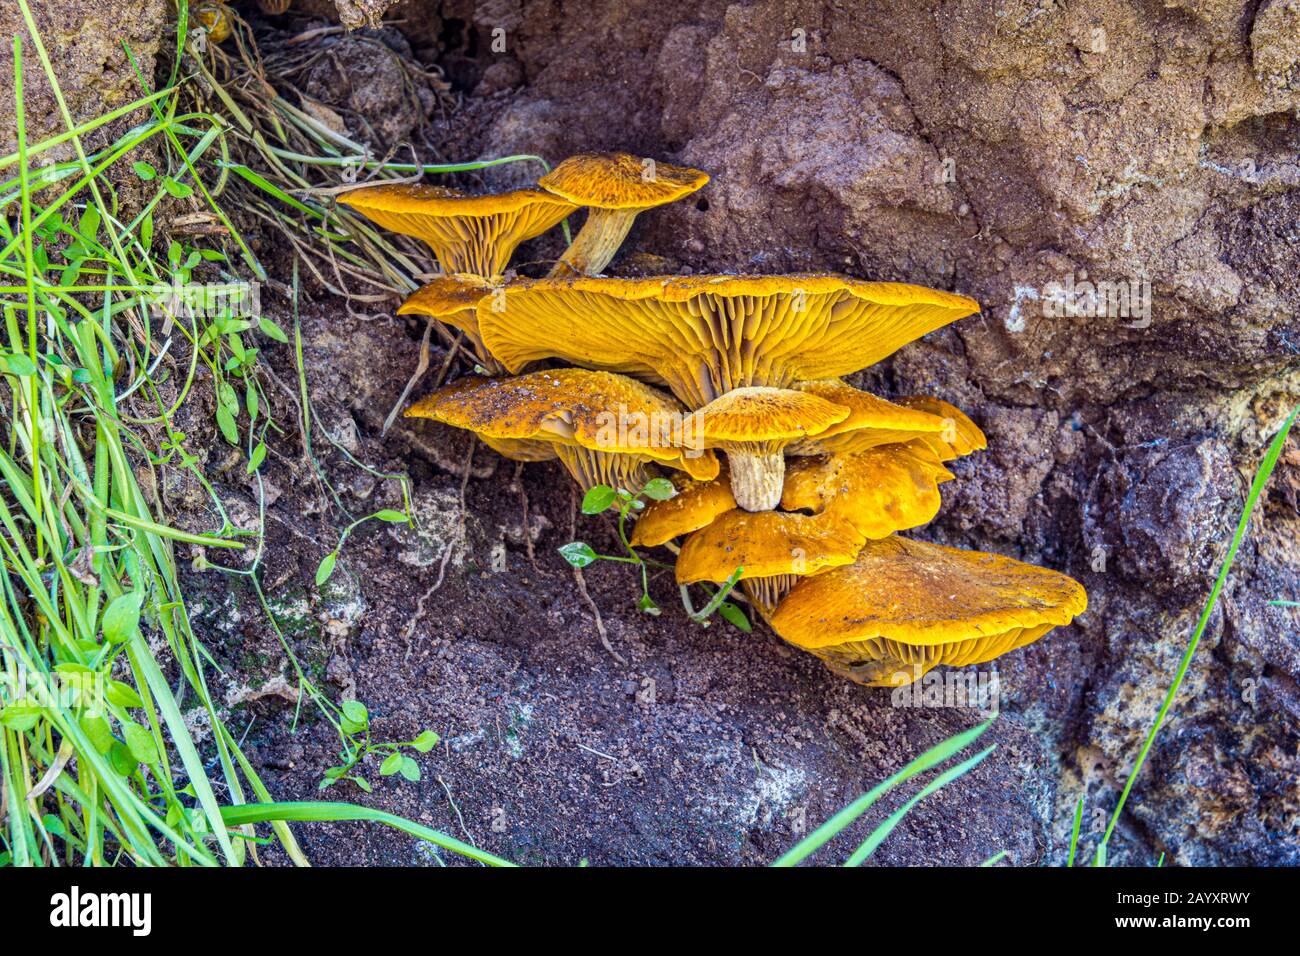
(734, 385)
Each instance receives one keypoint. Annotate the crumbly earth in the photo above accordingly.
(990, 149)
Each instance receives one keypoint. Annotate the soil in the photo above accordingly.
(990, 149)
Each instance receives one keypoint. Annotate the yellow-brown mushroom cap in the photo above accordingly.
(703, 336)
(762, 414)
(878, 491)
(960, 436)
(597, 411)
(694, 506)
(871, 420)
(924, 594)
(474, 234)
(766, 544)
(450, 299)
(621, 181)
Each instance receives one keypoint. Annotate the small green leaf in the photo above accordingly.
(425, 742)
(122, 617)
(410, 770)
(120, 756)
(597, 499)
(251, 401)
(176, 189)
(227, 397)
(20, 717)
(144, 170)
(226, 422)
(95, 726)
(363, 783)
(578, 554)
(269, 328)
(257, 457)
(18, 364)
(391, 765)
(326, 568)
(649, 606)
(123, 695)
(734, 615)
(389, 514)
(140, 742)
(356, 712)
(146, 231)
(660, 489)
(89, 225)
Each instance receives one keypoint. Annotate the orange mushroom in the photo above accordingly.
(878, 491)
(904, 607)
(604, 428)
(694, 506)
(473, 234)
(753, 425)
(773, 549)
(615, 188)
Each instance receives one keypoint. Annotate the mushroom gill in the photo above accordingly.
(615, 188)
(703, 336)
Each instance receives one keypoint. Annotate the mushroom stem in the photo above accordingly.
(590, 468)
(757, 474)
(596, 242)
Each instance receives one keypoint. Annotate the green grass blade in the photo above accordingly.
(314, 812)
(878, 835)
(832, 827)
(1074, 831)
(1256, 490)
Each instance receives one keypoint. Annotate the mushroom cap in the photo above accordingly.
(446, 295)
(620, 181)
(924, 594)
(703, 336)
(598, 411)
(401, 199)
(765, 544)
(694, 506)
(450, 299)
(877, 491)
(474, 234)
(757, 413)
(871, 420)
(960, 435)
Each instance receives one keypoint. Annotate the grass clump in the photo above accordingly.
(112, 747)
